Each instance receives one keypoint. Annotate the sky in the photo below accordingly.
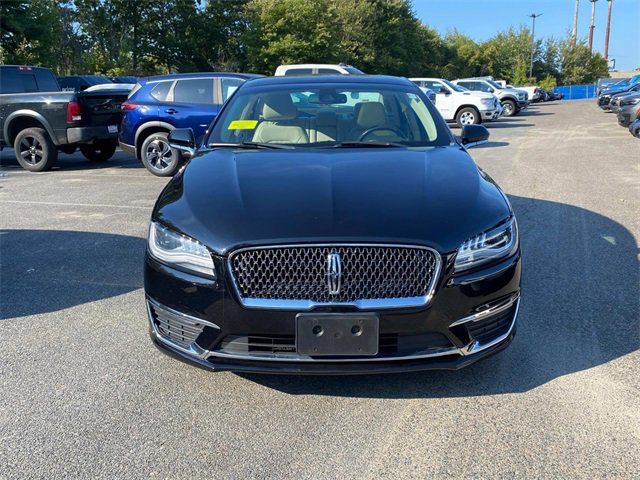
(481, 19)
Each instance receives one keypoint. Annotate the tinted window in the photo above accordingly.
(468, 85)
(298, 71)
(229, 85)
(10, 81)
(46, 81)
(28, 82)
(161, 90)
(328, 71)
(433, 85)
(197, 90)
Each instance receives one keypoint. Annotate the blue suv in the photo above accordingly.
(157, 105)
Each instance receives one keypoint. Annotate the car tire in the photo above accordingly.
(98, 151)
(467, 116)
(35, 150)
(510, 108)
(158, 157)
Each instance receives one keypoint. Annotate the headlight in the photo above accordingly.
(487, 101)
(179, 250)
(631, 101)
(493, 244)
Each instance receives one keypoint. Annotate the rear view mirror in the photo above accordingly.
(182, 139)
(473, 135)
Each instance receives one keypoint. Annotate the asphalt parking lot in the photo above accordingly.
(83, 393)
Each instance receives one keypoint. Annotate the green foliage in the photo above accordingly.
(548, 82)
(143, 37)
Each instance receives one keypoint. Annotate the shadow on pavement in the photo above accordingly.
(75, 161)
(507, 123)
(580, 309)
(46, 270)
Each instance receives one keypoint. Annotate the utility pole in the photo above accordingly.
(574, 34)
(606, 32)
(533, 17)
(592, 26)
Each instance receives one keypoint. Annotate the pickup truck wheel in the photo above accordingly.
(34, 150)
(510, 108)
(98, 151)
(467, 116)
(158, 157)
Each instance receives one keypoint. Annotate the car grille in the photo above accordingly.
(368, 272)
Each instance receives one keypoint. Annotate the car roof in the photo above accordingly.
(324, 79)
(175, 76)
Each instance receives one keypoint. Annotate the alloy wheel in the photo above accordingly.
(159, 155)
(31, 150)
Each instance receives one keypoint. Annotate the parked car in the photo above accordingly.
(629, 109)
(316, 69)
(457, 104)
(556, 95)
(616, 98)
(512, 100)
(634, 127)
(350, 233)
(124, 79)
(37, 126)
(157, 105)
(621, 85)
(79, 83)
(604, 100)
(533, 92)
(604, 83)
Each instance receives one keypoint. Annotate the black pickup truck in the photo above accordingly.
(38, 120)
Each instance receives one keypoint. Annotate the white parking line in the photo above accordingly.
(65, 204)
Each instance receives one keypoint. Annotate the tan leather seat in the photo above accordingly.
(368, 115)
(279, 121)
(325, 128)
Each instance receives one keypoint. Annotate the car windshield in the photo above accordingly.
(496, 85)
(453, 86)
(329, 115)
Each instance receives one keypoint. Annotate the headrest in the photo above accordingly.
(326, 117)
(371, 114)
(279, 106)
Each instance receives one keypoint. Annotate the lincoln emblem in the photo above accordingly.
(334, 273)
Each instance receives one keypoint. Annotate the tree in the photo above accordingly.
(290, 31)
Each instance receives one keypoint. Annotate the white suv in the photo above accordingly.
(316, 69)
(457, 104)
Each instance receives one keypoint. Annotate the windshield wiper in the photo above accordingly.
(367, 145)
(252, 145)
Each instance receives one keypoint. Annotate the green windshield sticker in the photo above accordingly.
(243, 125)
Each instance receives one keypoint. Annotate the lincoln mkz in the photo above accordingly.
(331, 225)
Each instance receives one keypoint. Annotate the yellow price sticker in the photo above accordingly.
(243, 125)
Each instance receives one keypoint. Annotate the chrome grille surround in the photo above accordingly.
(373, 275)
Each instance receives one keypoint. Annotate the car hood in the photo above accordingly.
(230, 198)
(478, 94)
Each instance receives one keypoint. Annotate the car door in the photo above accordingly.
(191, 105)
(445, 102)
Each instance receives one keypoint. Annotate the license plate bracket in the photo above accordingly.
(337, 334)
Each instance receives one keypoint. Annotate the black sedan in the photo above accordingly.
(628, 109)
(349, 233)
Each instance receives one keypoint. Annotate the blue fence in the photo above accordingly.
(576, 92)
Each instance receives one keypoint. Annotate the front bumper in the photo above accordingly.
(471, 317)
(624, 118)
(90, 134)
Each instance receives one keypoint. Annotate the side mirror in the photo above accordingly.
(443, 90)
(473, 135)
(491, 90)
(182, 139)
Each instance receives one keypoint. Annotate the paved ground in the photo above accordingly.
(84, 394)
